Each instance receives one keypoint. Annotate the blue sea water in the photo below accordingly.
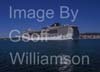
(79, 47)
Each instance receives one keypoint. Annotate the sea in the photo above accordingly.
(72, 48)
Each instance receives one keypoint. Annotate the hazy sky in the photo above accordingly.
(88, 19)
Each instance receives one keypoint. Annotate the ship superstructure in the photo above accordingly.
(55, 32)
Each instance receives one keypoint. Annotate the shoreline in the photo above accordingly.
(58, 40)
(82, 36)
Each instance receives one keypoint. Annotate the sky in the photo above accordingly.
(88, 19)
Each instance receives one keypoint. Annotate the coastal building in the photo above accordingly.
(89, 35)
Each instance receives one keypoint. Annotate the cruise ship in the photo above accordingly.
(54, 32)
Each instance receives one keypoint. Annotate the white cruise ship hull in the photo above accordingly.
(60, 37)
(54, 33)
